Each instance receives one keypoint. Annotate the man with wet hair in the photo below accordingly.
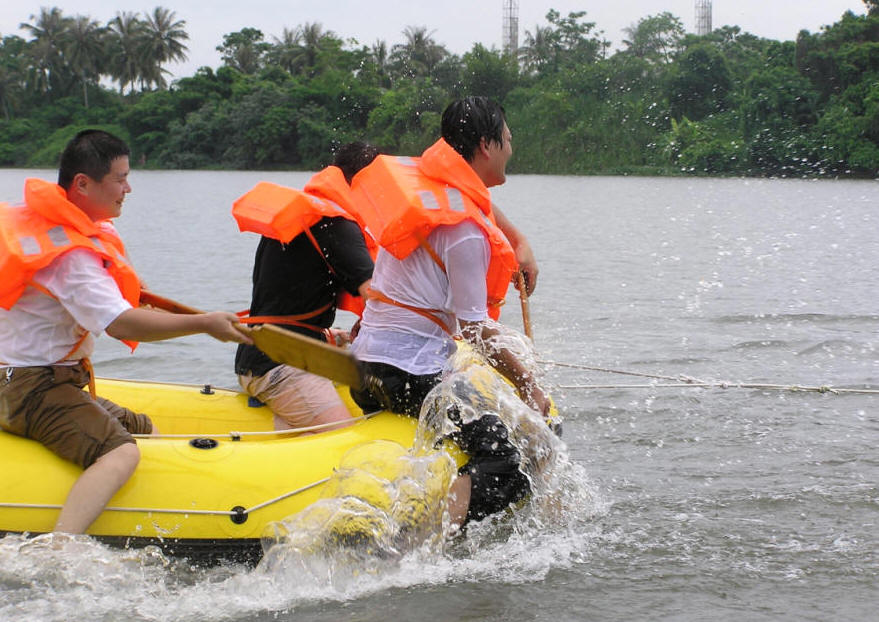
(302, 279)
(446, 273)
(465, 123)
(64, 277)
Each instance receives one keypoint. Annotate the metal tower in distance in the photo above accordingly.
(511, 27)
(703, 17)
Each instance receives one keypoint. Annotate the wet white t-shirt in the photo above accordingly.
(405, 339)
(41, 330)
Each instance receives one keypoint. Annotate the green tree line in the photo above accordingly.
(666, 102)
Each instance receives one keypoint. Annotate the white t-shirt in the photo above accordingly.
(405, 339)
(41, 330)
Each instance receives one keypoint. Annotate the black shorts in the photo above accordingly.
(496, 479)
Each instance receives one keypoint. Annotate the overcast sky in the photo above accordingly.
(457, 24)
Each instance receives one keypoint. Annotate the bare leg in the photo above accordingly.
(95, 487)
(459, 500)
(333, 414)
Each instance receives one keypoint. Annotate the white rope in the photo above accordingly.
(284, 496)
(683, 381)
(236, 436)
(680, 378)
(40, 506)
(725, 385)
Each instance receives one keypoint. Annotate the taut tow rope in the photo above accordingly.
(683, 381)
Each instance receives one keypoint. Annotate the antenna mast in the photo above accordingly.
(703, 17)
(511, 27)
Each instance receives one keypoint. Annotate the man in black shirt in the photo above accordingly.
(301, 281)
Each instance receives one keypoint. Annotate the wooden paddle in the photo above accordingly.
(523, 298)
(284, 346)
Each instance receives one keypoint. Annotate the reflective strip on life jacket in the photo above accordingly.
(405, 205)
(282, 213)
(35, 234)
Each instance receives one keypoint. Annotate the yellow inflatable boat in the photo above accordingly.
(207, 487)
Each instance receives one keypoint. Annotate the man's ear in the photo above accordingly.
(483, 146)
(80, 184)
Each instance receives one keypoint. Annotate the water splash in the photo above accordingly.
(381, 503)
(382, 524)
(471, 389)
(385, 503)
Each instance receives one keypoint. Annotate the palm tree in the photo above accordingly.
(539, 49)
(313, 36)
(420, 54)
(162, 42)
(12, 64)
(84, 51)
(125, 45)
(379, 56)
(47, 68)
(287, 52)
(9, 83)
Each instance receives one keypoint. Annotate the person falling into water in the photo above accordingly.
(298, 275)
(64, 277)
(447, 270)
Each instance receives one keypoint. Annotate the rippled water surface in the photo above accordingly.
(708, 502)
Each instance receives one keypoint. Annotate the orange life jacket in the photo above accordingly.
(282, 213)
(48, 225)
(404, 199)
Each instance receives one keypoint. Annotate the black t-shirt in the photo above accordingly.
(293, 278)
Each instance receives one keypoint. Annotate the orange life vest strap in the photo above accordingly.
(314, 243)
(422, 241)
(291, 320)
(41, 288)
(430, 314)
(87, 365)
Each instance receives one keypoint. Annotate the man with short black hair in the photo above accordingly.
(64, 277)
(444, 268)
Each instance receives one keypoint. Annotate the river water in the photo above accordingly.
(691, 503)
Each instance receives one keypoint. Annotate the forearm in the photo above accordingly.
(505, 362)
(521, 247)
(146, 325)
(504, 224)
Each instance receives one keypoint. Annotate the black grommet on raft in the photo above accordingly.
(203, 443)
(207, 390)
(240, 515)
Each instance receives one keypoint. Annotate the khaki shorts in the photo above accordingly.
(293, 395)
(48, 405)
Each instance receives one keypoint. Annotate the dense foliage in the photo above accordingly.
(667, 102)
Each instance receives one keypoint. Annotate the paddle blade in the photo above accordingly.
(311, 355)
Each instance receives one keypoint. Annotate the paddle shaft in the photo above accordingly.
(166, 304)
(523, 298)
(284, 346)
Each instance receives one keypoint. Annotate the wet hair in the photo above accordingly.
(90, 152)
(351, 157)
(467, 121)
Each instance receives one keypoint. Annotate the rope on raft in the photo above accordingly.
(233, 436)
(259, 506)
(237, 436)
(683, 381)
